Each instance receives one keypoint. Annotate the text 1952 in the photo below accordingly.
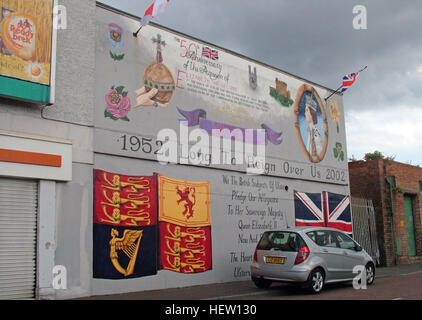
(135, 144)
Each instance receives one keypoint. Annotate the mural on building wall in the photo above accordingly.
(208, 88)
(324, 209)
(166, 77)
(132, 239)
(311, 123)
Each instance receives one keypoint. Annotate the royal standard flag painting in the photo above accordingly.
(185, 225)
(125, 235)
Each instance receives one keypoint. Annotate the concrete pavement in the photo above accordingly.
(235, 290)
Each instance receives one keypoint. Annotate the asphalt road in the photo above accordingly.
(394, 283)
(214, 301)
(397, 287)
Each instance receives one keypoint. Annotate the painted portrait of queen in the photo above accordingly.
(311, 123)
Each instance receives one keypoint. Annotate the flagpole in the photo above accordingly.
(342, 85)
(333, 93)
(135, 34)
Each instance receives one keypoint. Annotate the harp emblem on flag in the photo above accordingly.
(129, 244)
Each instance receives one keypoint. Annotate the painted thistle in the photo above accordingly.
(338, 152)
(117, 41)
(335, 114)
(117, 104)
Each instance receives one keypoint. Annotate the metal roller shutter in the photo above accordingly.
(18, 238)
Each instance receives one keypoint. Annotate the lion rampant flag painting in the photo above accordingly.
(184, 203)
(133, 238)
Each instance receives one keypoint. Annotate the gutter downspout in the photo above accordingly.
(392, 217)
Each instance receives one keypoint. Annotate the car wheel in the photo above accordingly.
(262, 283)
(316, 281)
(370, 273)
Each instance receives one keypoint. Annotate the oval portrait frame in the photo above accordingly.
(302, 90)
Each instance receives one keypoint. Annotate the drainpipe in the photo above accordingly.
(390, 183)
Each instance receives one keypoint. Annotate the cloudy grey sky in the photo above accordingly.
(315, 39)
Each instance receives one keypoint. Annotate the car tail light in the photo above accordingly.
(302, 255)
(255, 256)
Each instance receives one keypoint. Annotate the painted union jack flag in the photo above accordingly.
(324, 209)
(308, 209)
(210, 53)
(349, 80)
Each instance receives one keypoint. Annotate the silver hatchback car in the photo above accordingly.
(311, 256)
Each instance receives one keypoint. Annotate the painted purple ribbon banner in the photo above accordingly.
(198, 117)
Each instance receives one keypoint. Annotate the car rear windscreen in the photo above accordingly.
(280, 240)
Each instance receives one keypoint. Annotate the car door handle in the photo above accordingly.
(345, 253)
(324, 250)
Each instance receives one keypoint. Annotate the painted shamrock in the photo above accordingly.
(117, 104)
(338, 152)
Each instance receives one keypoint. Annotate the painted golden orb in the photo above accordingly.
(157, 75)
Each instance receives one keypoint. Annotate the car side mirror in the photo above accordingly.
(358, 248)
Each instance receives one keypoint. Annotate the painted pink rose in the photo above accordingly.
(117, 103)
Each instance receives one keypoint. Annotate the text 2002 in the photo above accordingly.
(335, 175)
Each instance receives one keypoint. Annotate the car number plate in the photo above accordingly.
(275, 260)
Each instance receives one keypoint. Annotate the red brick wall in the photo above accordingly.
(367, 180)
(407, 182)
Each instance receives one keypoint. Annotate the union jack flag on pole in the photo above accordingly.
(324, 209)
(350, 79)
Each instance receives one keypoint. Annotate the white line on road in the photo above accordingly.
(396, 275)
(406, 274)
